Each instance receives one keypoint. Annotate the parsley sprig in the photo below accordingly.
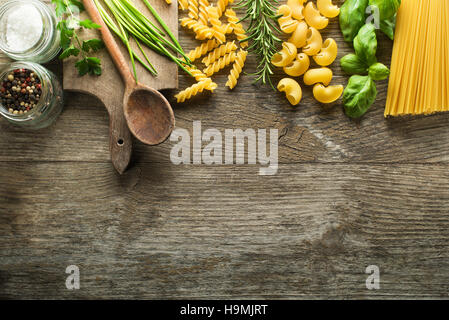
(70, 42)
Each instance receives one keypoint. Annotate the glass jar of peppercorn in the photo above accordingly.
(30, 95)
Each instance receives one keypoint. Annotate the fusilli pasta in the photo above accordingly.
(193, 9)
(202, 32)
(221, 6)
(201, 50)
(219, 52)
(236, 69)
(220, 64)
(193, 90)
(237, 27)
(183, 4)
(214, 20)
(203, 17)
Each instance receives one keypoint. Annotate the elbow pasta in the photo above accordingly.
(285, 56)
(287, 24)
(219, 52)
(214, 20)
(314, 18)
(203, 17)
(195, 89)
(303, 22)
(299, 66)
(299, 36)
(327, 9)
(220, 64)
(297, 7)
(314, 42)
(193, 9)
(236, 69)
(292, 90)
(237, 27)
(201, 50)
(202, 32)
(327, 94)
(318, 75)
(328, 53)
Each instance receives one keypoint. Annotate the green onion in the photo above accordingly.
(131, 23)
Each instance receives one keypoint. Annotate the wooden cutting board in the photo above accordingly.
(109, 88)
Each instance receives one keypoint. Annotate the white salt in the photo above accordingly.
(24, 27)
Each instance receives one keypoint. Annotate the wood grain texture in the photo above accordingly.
(347, 195)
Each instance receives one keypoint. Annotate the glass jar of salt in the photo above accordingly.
(28, 31)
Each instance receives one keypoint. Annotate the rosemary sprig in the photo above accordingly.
(261, 31)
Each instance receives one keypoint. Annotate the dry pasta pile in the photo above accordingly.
(419, 80)
(217, 51)
(303, 21)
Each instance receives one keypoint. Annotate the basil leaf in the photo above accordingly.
(378, 71)
(359, 95)
(365, 44)
(352, 18)
(352, 64)
(387, 8)
(388, 26)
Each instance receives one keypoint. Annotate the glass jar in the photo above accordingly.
(50, 103)
(28, 31)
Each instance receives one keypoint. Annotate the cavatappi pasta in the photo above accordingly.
(303, 20)
(204, 19)
(419, 78)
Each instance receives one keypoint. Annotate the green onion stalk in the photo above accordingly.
(129, 23)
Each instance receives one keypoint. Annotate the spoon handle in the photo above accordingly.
(120, 62)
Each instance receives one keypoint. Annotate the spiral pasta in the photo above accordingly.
(183, 4)
(219, 52)
(203, 17)
(214, 19)
(239, 31)
(236, 69)
(220, 64)
(221, 6)
(193, 90)
(201, 50)
(193, 9)
(202, 32)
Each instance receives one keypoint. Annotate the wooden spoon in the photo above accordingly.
(149, 115)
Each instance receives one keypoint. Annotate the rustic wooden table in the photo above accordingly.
(348, 194)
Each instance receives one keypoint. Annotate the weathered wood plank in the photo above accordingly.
(218, 232)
